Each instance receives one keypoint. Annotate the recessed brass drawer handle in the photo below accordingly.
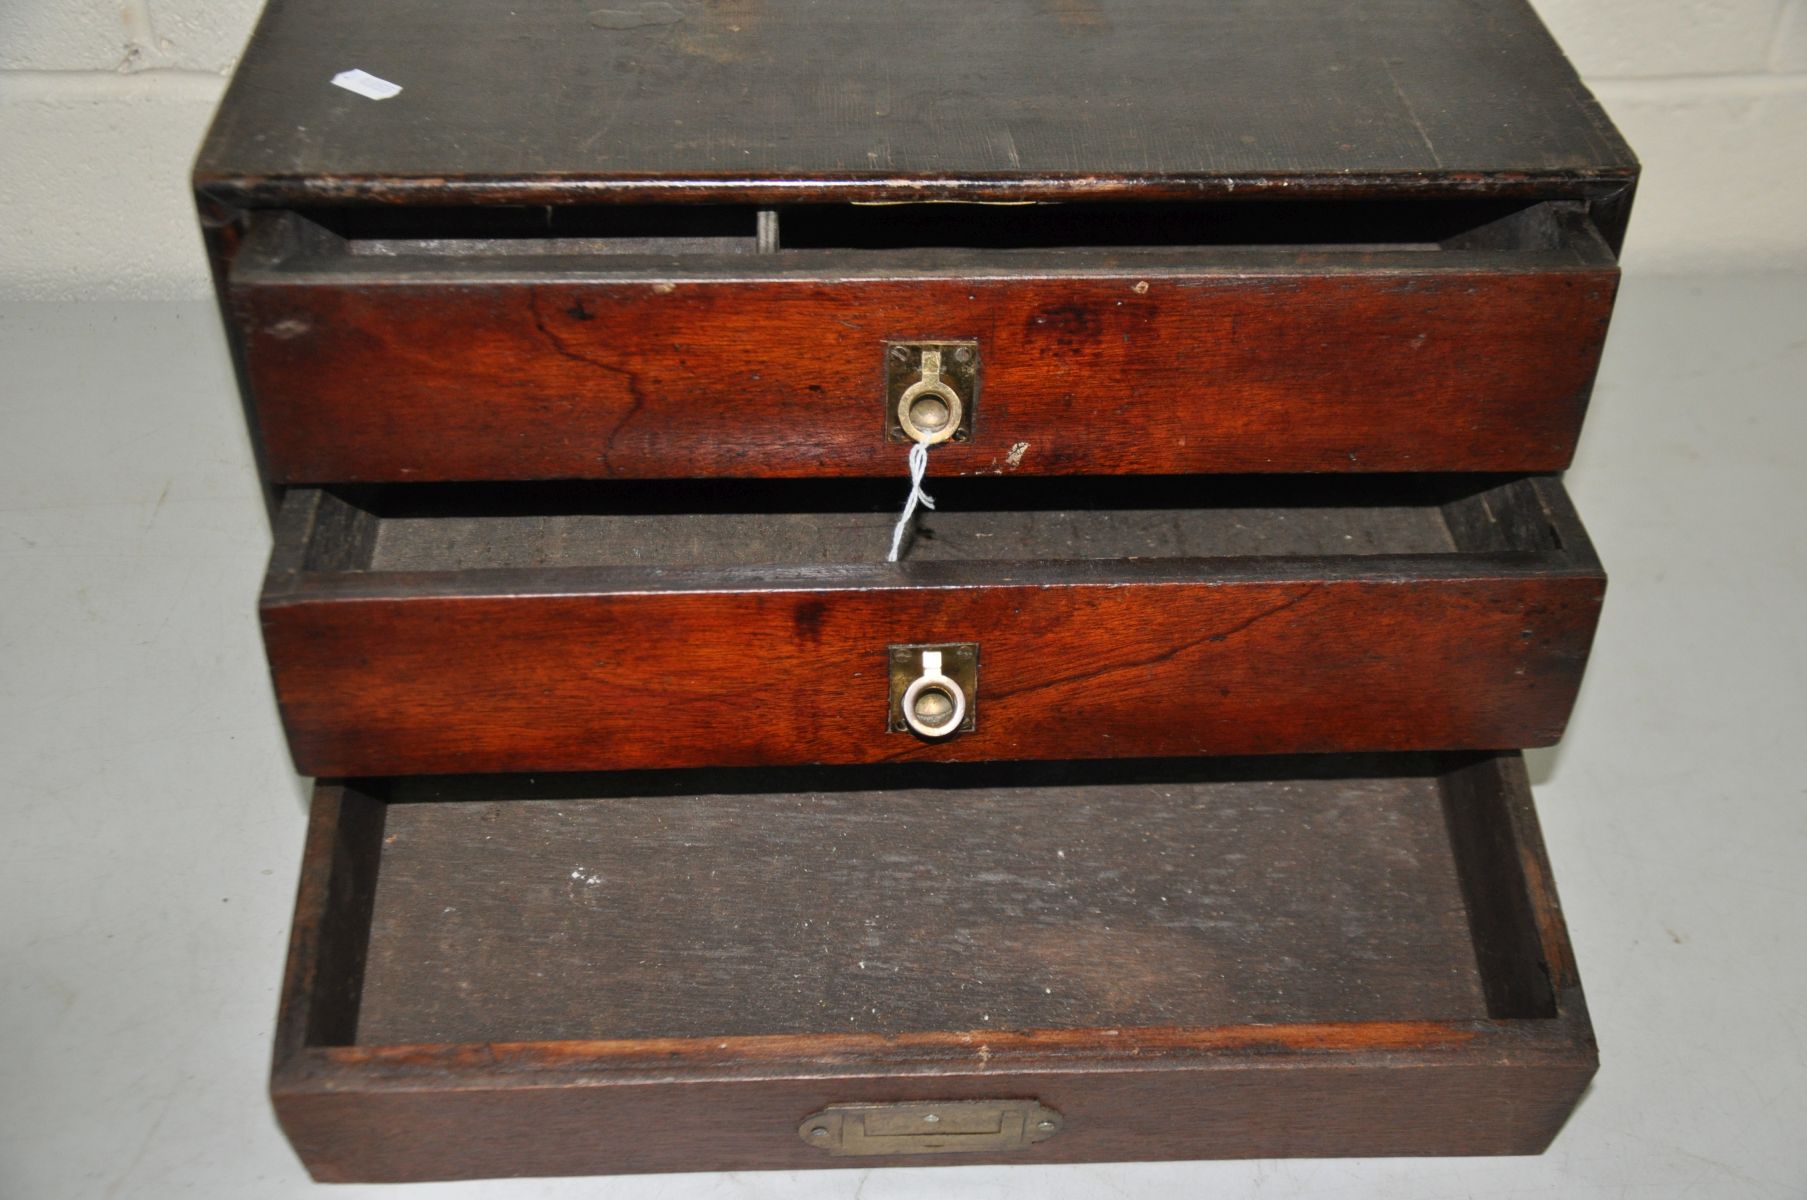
(933, 705)
(934, 688)
(929, 1127)
(930, 390)
(929, 410)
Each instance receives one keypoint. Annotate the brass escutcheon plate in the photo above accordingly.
(959, 662)
(929, 1127)
(959, 371)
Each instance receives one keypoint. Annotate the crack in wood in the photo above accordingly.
(1166, 655)
(631, 379)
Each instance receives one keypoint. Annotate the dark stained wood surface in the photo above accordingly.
(594, 667)
(889, 911)
(425, 683)
(1261, 1099)
(1398, 940)
(955, 532)
(936, 98)
(1498, 1077)
(1185, 361)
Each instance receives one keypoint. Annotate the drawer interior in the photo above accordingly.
(677, 524)
(1424, 226)
(1012, 897)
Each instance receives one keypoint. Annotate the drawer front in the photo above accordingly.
(445, 683)
(1344, 958)
(1242, 1107)
(369, 368)
(397, 672)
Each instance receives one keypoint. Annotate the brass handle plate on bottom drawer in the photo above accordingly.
(929, 1127)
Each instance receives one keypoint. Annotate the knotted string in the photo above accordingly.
(919, 466)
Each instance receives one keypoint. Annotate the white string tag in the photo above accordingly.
(919, 466)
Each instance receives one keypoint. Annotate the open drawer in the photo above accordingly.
(419, 344)
(927, 964)
(431, 630)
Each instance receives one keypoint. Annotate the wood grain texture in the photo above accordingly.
(446, 532)
(580, 668)
(325, 974)
(1165, 902)
(1246, 1106)
(1478, 360)
(1406, 1084)
(1018, 96)
(421, 683)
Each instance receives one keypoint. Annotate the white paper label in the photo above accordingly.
(366, 84)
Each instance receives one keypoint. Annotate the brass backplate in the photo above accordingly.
(959, 370)
(929, 1127)
(959, 662)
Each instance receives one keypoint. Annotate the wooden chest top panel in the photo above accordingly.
(940, 97)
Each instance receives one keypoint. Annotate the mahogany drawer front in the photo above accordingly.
(435, 635)
(680, 971)
(443, 358)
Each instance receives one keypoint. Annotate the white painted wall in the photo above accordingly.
(102, 103)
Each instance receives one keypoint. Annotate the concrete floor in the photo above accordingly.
(153, 828)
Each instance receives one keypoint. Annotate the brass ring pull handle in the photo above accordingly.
(929, 411)
(933, 705)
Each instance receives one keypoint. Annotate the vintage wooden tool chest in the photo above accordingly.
(1162, 800)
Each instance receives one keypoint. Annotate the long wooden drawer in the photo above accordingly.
(433, 630)
(493, 344)
(927, 964)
